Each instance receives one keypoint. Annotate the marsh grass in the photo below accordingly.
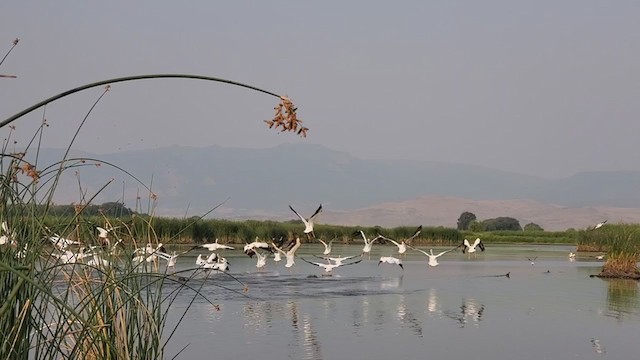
(108, 308)
(620, 242)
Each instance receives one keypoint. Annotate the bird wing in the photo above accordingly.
(313, 262)
(422, 251)
(103, 232)
(386, 238)
(415, 235)
(351, 263)
(475, 243)
(481, 246)
(297, 213)
(323, 243)
(444, 252)
(466, 243)
(318, 211)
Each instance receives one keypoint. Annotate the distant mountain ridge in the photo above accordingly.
(263, 182)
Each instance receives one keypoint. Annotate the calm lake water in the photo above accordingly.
(461, 309)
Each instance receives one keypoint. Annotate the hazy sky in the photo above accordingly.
(538, 87)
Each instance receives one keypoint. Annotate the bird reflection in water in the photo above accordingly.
(407, 318)
(311, 342)
(469, 309)
(432, 301)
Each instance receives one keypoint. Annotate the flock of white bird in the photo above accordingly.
(101, 255)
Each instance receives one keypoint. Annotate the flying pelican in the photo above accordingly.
(339, 259)
(572, 256)
(327, 247)
(472, 248)
(308, 223)
(328, 267)
(433, 259)
(215, 246)
(250, 248)
(390, 260)
(262, 260)
(599, 225)
(368, 243)
(290, 254)
(402, 245)
(532, 259)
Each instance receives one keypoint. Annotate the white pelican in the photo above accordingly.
(532, 260)
(308, 223)
(62, 243)
(390, 260)
(402, 245)
(471, 248)
(599, 225)
(290, 254)
(368, 243)
(69, 257)
(433, 259)
(215, 246)
(250, 248)
(327, 247)
(339, 259)
(328, 267)
(277, 252)
(262, 260)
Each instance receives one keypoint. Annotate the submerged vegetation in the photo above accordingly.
(107, 307)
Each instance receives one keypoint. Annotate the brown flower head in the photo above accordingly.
(286, 119)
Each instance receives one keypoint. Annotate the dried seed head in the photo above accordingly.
(286, 118)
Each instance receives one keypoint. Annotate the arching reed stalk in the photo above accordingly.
(107, 306)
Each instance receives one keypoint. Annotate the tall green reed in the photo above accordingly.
(108, 308)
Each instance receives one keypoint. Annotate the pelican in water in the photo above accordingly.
(308, 223)
(471, 248)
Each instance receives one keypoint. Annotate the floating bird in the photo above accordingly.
(215, 246)
(433, 259)
(390, 260)
(600, 257)
(572, 255)
(532, 260)
(472, 248)
(328, 267)
(599, 225)
(308, 223)
(327, 247)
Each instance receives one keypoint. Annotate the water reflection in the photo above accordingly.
(407, 318)
(311, 343)
(622, 297)
(470, 309)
